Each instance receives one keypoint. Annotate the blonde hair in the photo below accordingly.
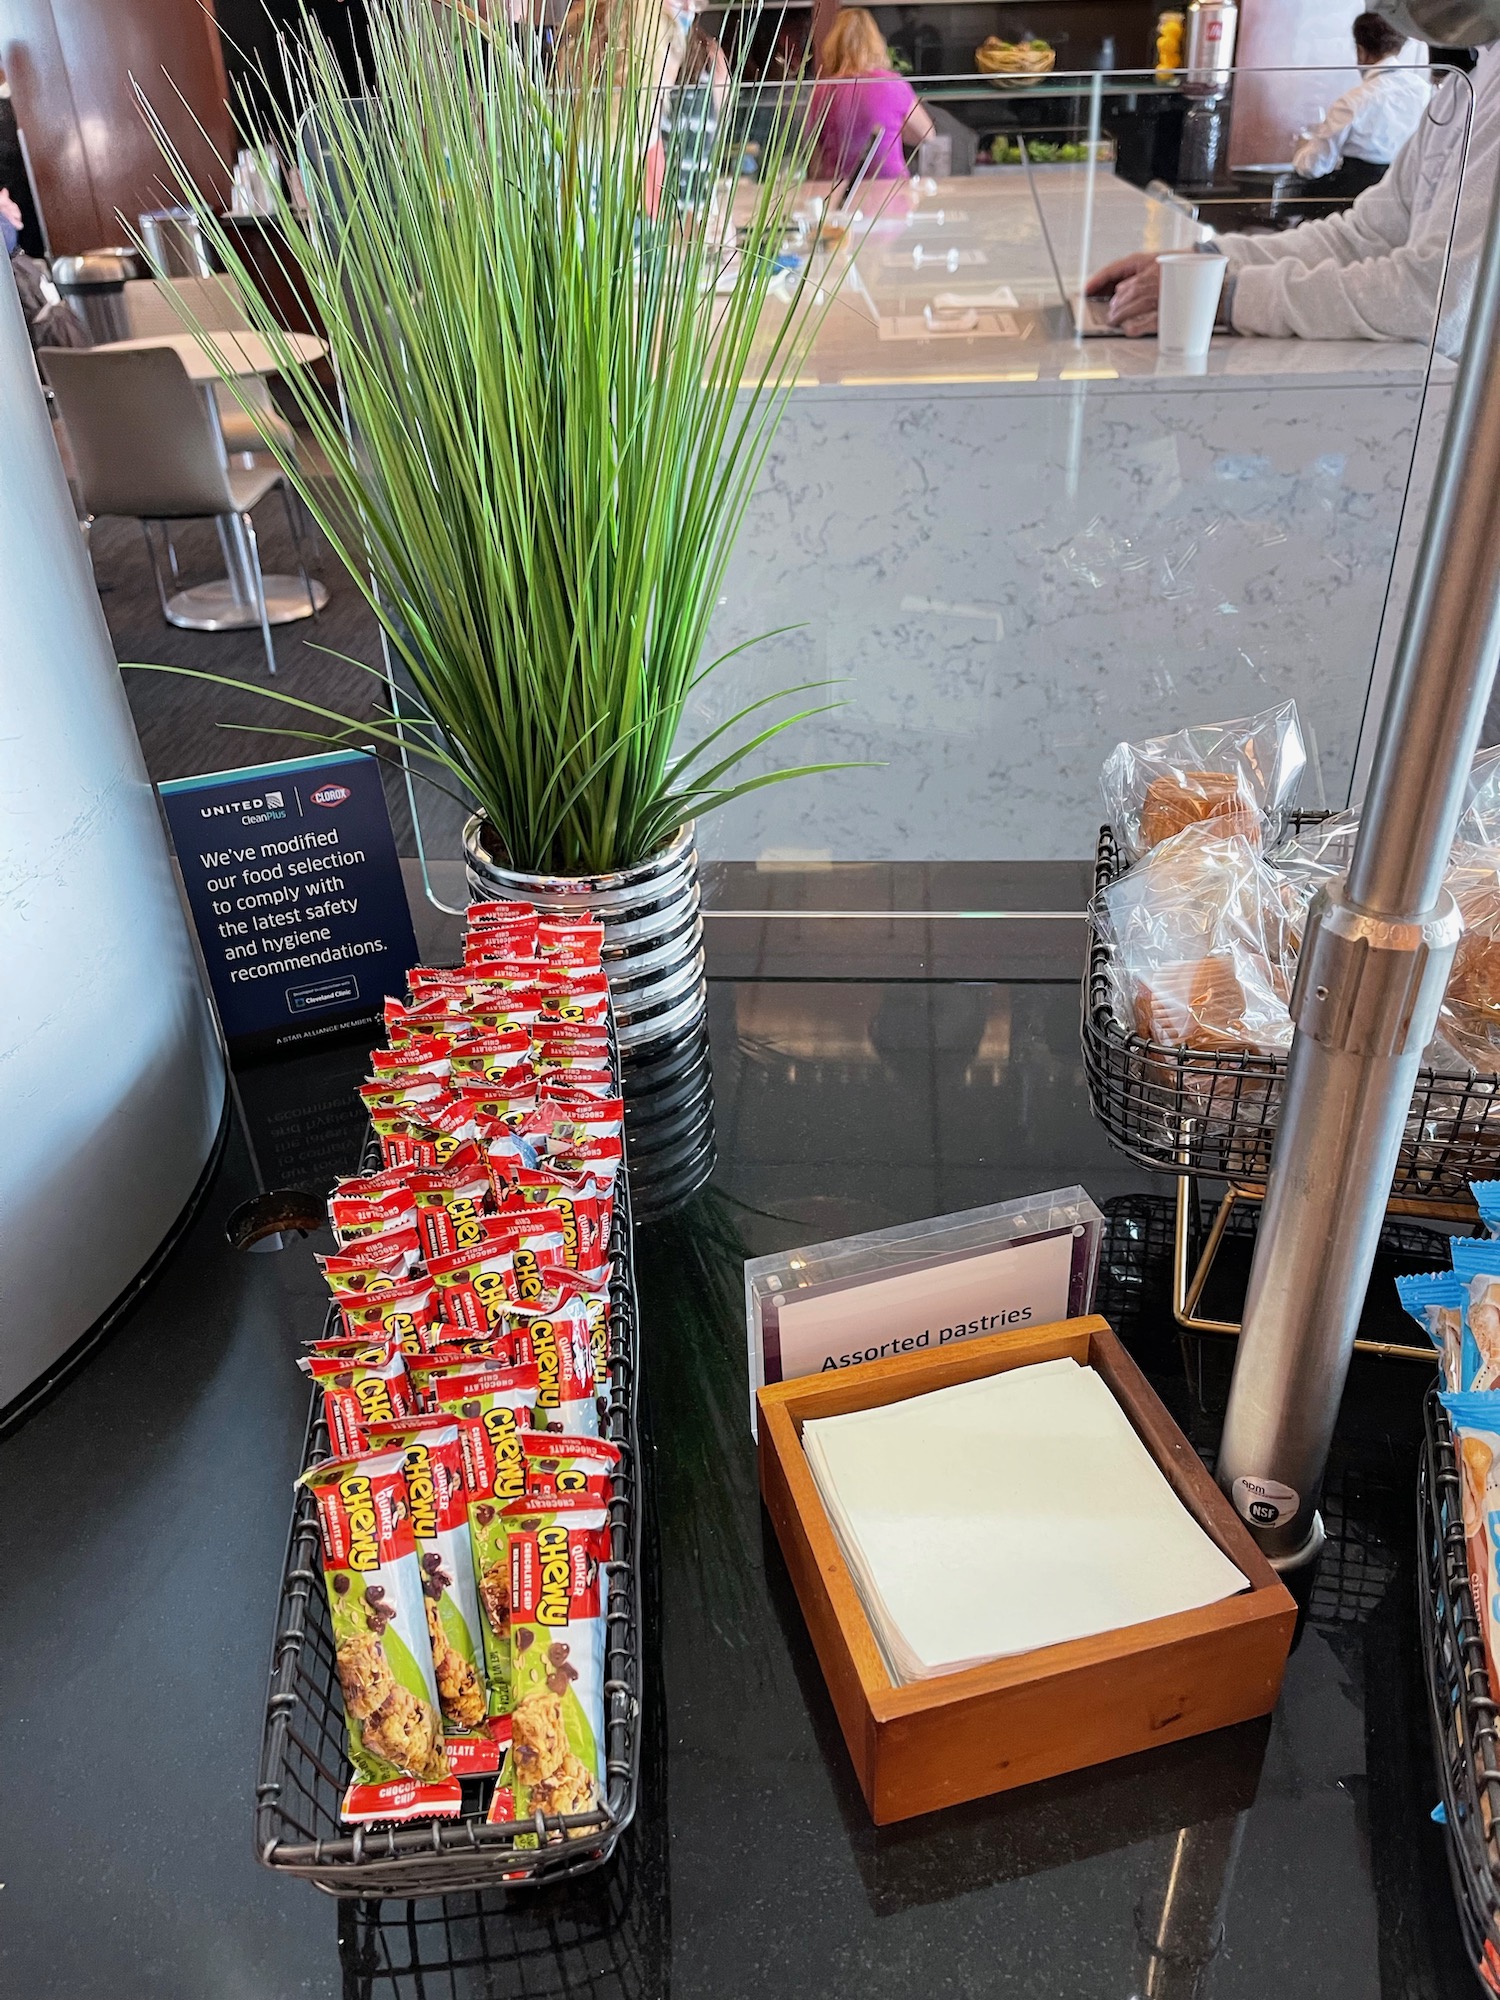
(853, 45)
(611, 37)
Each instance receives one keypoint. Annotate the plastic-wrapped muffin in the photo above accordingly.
(1178, 799)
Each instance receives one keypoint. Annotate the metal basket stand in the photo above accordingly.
(304, 1766)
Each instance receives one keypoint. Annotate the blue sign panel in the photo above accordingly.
(295, 887)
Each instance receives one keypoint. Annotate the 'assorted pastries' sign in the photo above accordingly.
(922, 1286)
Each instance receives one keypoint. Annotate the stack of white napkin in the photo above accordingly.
(1007, 1513)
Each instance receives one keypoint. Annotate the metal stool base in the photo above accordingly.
(213, 607)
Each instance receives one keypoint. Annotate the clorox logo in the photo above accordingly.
(330, 795)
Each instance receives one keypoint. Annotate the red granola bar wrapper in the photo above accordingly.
(432, 1371)
(488, 956)
(480, 1067)
(530, 1239)
(572, 941)
(475, 1285)
(401, 1312)
(559, 1336)
(356, 1218)
(358, 1389)
(557, 1055)
(498, 1110)
(493, 1005)
(450, 1206)
(585, 1241)
(422, 980)
(572, 1466)
(574, 998)
(433, 1464)
(410, 1094)
(490, 1012)
(559, 1549)
(600, 1158)
(391, 1256)
(513, 924)
(420, 1055)
(382, 1651)
(505, 1154)
(591, 1289)
(560, 1084)
(405, 1142)
(492, 1407)
(372, 1187)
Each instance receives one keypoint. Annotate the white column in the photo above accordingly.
(111, 1081)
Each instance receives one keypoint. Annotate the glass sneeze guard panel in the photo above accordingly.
(1006, 544)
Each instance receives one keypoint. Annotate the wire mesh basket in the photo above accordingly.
(1466, 1739)
(304, 1770)
(1214, 1112)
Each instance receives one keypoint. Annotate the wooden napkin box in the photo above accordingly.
(1059, 1708)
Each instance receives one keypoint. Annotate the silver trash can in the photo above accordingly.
(174, 244)
(94, 286)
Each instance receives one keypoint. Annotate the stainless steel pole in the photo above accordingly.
(1374, 964)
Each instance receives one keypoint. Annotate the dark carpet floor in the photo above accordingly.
(188, 727)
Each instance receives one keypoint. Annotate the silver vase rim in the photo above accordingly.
(575, 885)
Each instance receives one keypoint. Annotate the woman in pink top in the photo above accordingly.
(857, 96)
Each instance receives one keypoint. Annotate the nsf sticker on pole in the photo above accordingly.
(295, 887)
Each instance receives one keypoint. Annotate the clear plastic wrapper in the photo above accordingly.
(1479, 822)
(1309, 856)
(1203, 938)
(1243, 773)
(1469, 1019)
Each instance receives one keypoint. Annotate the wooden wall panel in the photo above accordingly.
(70, 64)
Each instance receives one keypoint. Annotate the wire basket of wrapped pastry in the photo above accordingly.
(1202, 883)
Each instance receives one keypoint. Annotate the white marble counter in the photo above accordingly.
(1011, 548)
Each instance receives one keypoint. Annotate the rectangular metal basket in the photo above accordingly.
(1466, 1739)
(304, 1770)
(1213, 1113)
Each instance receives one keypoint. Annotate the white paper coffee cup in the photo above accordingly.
(1188, 301)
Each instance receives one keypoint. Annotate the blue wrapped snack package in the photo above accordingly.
(1435, 1300)
(1487, 1195)
(1476, 1444)
(1477, 1263)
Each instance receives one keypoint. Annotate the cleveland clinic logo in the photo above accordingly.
(330, 795)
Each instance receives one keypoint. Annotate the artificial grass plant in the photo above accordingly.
(551, 409)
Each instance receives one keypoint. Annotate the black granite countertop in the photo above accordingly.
(146, 1508)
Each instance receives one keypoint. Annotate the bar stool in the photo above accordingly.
(144, 446)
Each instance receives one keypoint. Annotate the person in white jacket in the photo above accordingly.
(1379, 271)
(1351, 146)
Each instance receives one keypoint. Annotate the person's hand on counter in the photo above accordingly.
(1134, 286)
